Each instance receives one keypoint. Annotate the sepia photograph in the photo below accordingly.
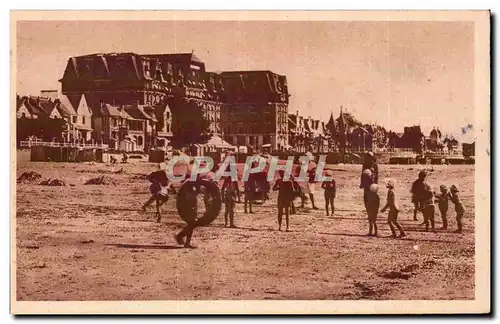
(247, 162)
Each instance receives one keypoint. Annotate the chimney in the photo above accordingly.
(53, 94)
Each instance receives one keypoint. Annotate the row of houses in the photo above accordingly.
(122, 127)
(348, 133)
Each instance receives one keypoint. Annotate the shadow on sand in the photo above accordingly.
(146, 246)
(406, 238)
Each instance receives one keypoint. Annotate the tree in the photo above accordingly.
(192, 126)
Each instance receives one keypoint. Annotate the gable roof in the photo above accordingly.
(46, 105)
(110, 110)
(65, 107)
(139, 112)
(31, 104)
(83, 99)
(19, 101)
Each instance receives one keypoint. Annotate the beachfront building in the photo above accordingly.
(245, 108)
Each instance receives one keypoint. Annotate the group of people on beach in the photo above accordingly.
(289, 188)
(423, 197)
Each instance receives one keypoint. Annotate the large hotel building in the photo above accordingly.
(243, 107)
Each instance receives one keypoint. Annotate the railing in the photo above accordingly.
(441, 153)
(63, 144)
(392, 150)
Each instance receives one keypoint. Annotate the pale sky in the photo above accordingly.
(395, 74)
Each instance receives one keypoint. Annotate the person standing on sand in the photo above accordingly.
(229, 189)
(391, 204)
(416, 194)
(372, 206)
(286, 194)
(330, 188)
(311, 182)
(459, 207)
(428, 206)
(366, 182)
(442, 199)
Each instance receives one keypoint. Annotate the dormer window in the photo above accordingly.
(121, 66)
(88, 66)
(147, 69)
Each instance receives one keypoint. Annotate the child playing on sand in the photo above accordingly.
(372, 206)
(159, 189)
(459, 207)
(392, 220)
(428, 206)
(442, 200)
(229, 194)
(187, 232)
(330, 188)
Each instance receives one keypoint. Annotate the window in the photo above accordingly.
(168, 128)
(147, 71)
(121, 66)
(83, 119)
(74, 119)
(168, 114)
(139, 141)
(99, 67)
(241, 140)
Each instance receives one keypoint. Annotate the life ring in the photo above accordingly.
(187, 202)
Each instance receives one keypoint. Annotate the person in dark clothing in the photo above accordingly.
(366, 182)
(250, 188)
(442, 199)
(159, 190)
(286, 194)
(229, 189)
(416, 191)
(459, 207)
(187, 232)
(372, 207)
(428, 206)
(391, 204)
(330, 188)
